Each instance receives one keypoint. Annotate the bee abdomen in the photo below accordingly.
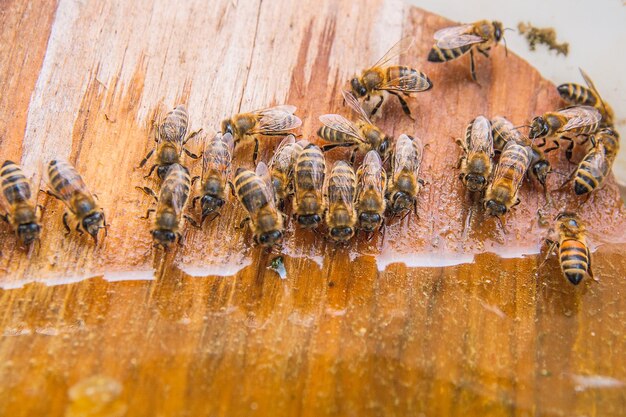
(15, 186)
(585, 181)
(310, 163)
(174, 127)
(62, 175)
(442, 55)
(574, 259)
(577, 94)
(248, 187)
(411, 79)
(332, 135)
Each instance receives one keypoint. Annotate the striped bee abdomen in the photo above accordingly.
(15, 186)
(592, 171)
(64, 179)
(174, 126)
(577, 94)
(309, 166)
(437, 54)
(250, 190)
(175, 188)
(574, 260)
(332, 135)
(408, 78)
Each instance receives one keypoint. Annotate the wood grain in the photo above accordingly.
(468, 327)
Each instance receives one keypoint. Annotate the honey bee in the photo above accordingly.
(404, 184)
(593, 170)
(576, 120)
(272, 121)
(20, 210)
(341, 217)
(216, 161)
(362, 135)
(282, 166)
(501, 194)
(170, 137)
(455, 41)
(504, 131)
(171, 204)
(574, 254)
(370, 194)
(309, 173)
(256, 194)
(394, 79)
(576, 94)
(476, 161)
(68, 186)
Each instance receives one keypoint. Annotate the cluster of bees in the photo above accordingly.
(348, 200)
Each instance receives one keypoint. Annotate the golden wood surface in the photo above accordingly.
(206, 329)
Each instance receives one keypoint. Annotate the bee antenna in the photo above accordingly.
(511, 29)
(520, 126)
(506, 50)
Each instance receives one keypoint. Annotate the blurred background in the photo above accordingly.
(595, 31)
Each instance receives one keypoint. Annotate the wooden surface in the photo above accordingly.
(467, 328)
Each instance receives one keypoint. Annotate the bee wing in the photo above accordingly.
(592, 86)
(396, 50)
(456, 36)
(212, 159)
(508, 166)
(282, 157)
(355, 105)
(277, 120)
(579, 116)
(343, 125)
(263, 173)
(342, 186)
(481, 139)
(411, 83)
(72, 182)
(598, 163)
(371, 174)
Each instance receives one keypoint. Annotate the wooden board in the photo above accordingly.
(468, 327)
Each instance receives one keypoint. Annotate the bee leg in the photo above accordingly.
(216, 214)
(472, 65)
(192, 221)
(192, 135)
(232, 188)
(543, 142)
(51, 194)
(193, 202)
(147, 216)
(180, 239)
(556, 145)
(144, 160)
(5, 217)
(149, 192)
(403, 103)
(380, 103)
(353, 155)
(255, 153)
(570, 149)
(194, 179)
(484, 52)
(151, 171)
(516, 202)
(65, 225)
(105, 225)
(190, 154)
(553, 245)
(326, 148)
(243, 223)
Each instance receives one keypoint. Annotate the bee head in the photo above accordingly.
(227, 126)
(475, 182)
(163, 237)
(495, 209)
(401, 201)
(568, 220)
(369, 221)
(28, 233)
(498, 30)
(309, 220)
(358, 88)
(538, 128)
(341, 233)
(384, 146)
(541, 169)
(271, 238)
(92, 224)
(210, 204)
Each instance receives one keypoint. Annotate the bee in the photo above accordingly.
(503, 131)
(256, 194)
(593, 170)
(455, 41)
(370, 192)
(574, 254)
(216, 162)
(21, 212)
(404, 184)
(394, 79)
(341, 217)
(171, 203)
(576, 94)
(476, 161)
(272, 121)
(309, 173)
(282, 166)
(170, 138)
(362, 135)
(576, 120)
(501, 194)
(68, 186)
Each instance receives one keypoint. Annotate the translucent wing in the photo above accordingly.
(268, 189)
(217, 155)
(597, 163)
(64, 181)
(456, 36)
(396, 50)
(407, 155)
(579, 116)
(355, 105)
(277, 119)
(284, 155)
(175, 189)
(341, 186)
(410, 83)
(173, 127)
(481, 139)
(507, 166)
(504, 128)
(592, 86)
(343, 125)
(371, 174)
